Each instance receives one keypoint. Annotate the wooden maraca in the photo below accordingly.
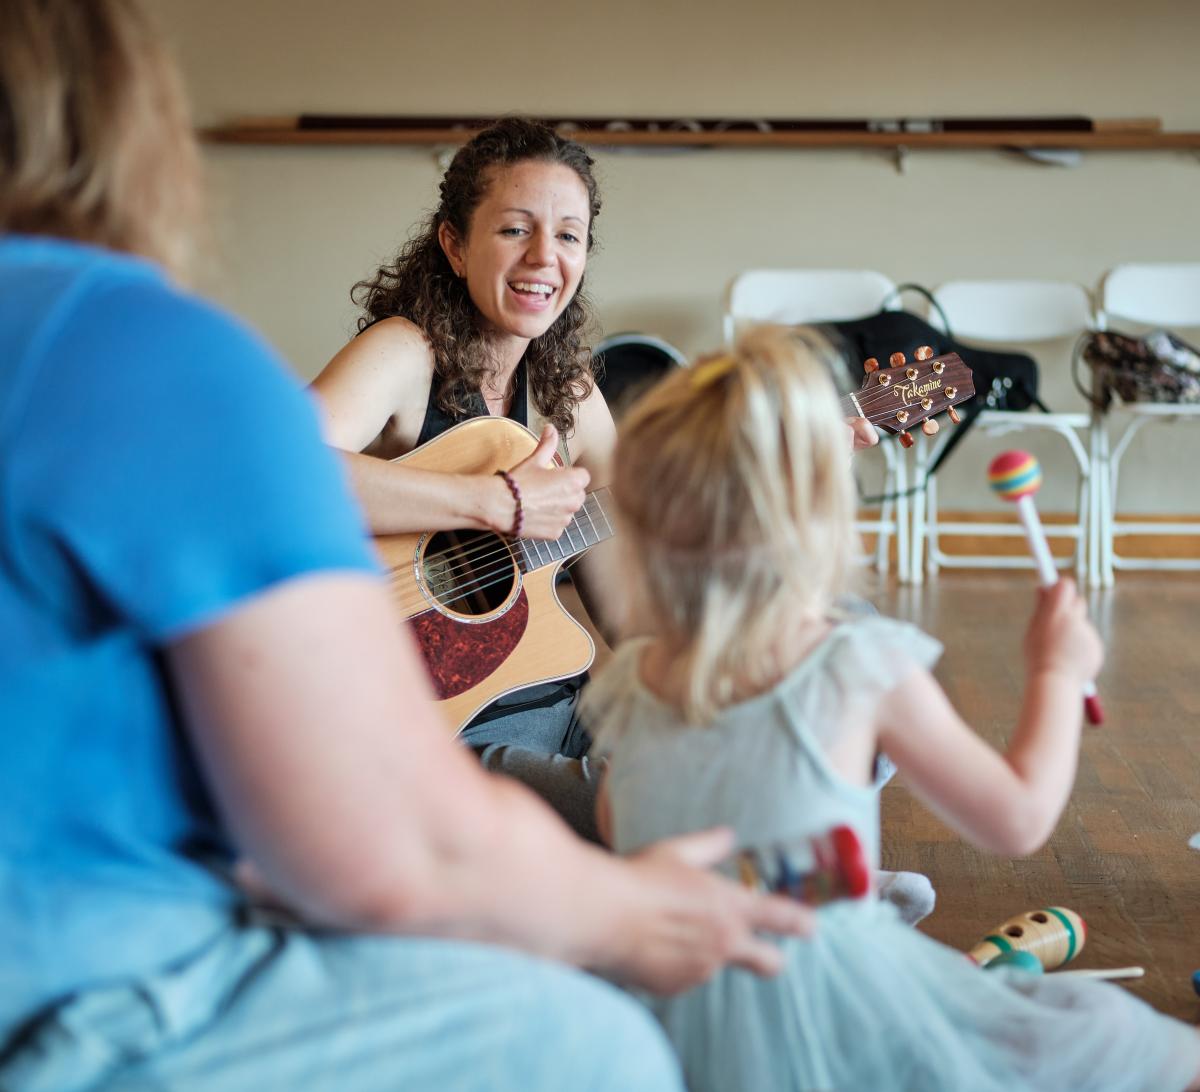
(1055, 935)
(1016, 476)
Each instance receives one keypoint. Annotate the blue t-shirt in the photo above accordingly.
(157, 468)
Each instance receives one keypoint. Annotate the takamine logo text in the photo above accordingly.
(911, 392)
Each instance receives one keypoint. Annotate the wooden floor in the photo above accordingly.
(1119, 856)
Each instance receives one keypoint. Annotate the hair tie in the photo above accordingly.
(519, 517)
(711, 370)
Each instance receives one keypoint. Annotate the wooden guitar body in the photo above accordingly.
(483, 608)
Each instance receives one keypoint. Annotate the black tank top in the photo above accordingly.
(437, 421)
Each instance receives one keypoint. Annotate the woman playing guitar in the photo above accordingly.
(481, 313)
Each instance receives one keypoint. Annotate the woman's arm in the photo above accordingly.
(380, 381)
(314, 726)
(1007, 803)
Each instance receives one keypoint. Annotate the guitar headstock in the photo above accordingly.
(907, 393)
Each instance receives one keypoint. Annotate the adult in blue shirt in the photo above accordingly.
(199, 664)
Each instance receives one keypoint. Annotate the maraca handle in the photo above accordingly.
(1048, 577)
(1036, 537)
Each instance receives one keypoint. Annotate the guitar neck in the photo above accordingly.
(590, 525)
(849, 406)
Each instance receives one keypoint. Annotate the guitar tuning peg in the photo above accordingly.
(896, 359)
(924, 352)
(952, 413)
(929, 426)
(870, 365)
(906, 440)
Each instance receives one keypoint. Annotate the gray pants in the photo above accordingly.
(546, 749)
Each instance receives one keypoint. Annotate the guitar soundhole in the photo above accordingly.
(468, 572)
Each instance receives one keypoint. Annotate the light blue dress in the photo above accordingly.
(868, 1002)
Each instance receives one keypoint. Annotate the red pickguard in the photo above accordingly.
(460, 655)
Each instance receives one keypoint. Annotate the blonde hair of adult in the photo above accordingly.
(733, 489)
(96, 142)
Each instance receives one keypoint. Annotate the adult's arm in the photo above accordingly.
(380, 381)
(313, 723)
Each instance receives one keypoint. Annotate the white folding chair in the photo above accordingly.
(803, 296)
(1005, 311)
(1149, 294)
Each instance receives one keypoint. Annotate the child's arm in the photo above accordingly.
(1006, 803)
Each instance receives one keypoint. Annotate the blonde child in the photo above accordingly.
(752, 703)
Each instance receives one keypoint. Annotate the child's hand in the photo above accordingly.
(1060, 638)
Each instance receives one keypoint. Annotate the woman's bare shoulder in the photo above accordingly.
(382, 374)
(391, 346)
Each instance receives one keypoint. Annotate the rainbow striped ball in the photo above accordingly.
(1014, 474)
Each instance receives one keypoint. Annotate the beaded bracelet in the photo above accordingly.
(518, 519)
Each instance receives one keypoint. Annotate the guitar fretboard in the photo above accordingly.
(588, 526)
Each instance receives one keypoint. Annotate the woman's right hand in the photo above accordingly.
(1060, 638)
(550, 495)
(688, 922)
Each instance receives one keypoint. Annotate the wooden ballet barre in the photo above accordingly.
(1130, 134)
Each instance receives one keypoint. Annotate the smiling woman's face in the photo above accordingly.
(526, 247)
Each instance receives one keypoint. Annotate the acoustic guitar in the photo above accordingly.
(483, 607)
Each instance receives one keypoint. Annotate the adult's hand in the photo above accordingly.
(550, 495)
(862, 433)
(689, 922)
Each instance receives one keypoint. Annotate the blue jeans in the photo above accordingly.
(261, 1008)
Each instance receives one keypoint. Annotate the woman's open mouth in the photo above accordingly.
(533, 294)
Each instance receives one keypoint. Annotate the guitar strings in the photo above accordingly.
(876, 395)
(495, 549)
(951, 374)
(473, 557)
(494, 546)
(468, 559)
(500, 574)
(498, 545)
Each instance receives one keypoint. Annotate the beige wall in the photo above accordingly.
(297, 226)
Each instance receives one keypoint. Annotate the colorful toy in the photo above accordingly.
(839, 869)
(1016, 476)
(1054, 935)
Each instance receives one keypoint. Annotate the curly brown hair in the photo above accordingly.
(420, 285)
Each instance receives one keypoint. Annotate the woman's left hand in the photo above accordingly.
(862, 433)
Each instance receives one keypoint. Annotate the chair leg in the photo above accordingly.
(932, 545)
(1106, 490)
(1095, 520)
(903, 525)
(1081, 525)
